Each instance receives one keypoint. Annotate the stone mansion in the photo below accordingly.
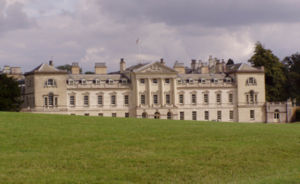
(204, 91)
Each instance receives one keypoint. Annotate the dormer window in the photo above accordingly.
(251, 81)
(179, 81)
(203, 81)
(71, 82)
(97, 81)
(190, 81)
(83, 81)
(109, 81)
(124, 81)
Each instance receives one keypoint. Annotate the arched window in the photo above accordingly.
(50, 100)
(251, 81)
(276, 114)
(169, 115)
(251, 97)
(157, 115)
(144, 115)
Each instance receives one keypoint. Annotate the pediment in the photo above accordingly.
(156, 68)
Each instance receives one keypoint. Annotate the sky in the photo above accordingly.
(89, 31)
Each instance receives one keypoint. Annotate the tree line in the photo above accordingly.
(282, 79)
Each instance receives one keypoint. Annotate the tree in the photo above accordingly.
(66, 67)
(274, 72)
(10, 94)
(230, 62)
(89, 72)
(292, 72)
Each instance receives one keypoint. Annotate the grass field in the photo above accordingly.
(72, 149)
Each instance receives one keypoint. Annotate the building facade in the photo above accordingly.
(208, 91)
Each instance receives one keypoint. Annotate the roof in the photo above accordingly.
(97, 76)
(202, 76)
(244, 68)
(45, 68)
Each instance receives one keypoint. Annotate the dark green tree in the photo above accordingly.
(66, 67)
(292, 72)
(230, 62)
(89, 72)
(274, 72)
(10, 94)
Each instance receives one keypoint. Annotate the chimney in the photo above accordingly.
(122, 65)
(162, 61)
(100, 68)
(204, 69)
(51, 63)
(219, 67)
(179, 67)
(194, 64)
(75, 70)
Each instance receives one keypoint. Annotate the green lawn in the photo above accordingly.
(73, 149)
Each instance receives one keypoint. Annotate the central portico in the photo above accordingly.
(154, 87)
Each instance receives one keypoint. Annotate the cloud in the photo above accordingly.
(12, 17)
(90, 31)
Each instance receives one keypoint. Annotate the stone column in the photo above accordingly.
(162, 102)
(174, 91)
(149, 92)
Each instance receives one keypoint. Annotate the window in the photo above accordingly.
(168, 99)
(126, 100)
(144, 115)
(72, 100)
(181, 98)
(231, 115)
(50, 98)
(154, 81)
(155, 99)
(83, 81)
(109, 81)
(251, 81)
(100, 114)
(97, 81)
(169, 115)
(70, 82)
(46, 101)
(167, 81)
(206, 115)
(114, 115)
(55, 101)
(179, 81)
(100, 100)
(181, 115)
(113, 99)
(218, 98)
(203, 81)
(143, 99)
(126, 115)
(157, 115)
(142, 81)
(194, 115)
(86, 100)
(219, 115)
(276, 114)
(206, 100)
(87, 114)
(252, 114)
(124, 81)
(194, 99)
(251, 97)
(230, 98)
(190, 81)
(50, 82)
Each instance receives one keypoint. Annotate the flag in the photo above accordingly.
(137, 41)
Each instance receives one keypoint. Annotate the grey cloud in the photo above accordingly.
(12, 17)
(204, 12)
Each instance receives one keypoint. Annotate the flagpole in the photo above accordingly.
(139, 57)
